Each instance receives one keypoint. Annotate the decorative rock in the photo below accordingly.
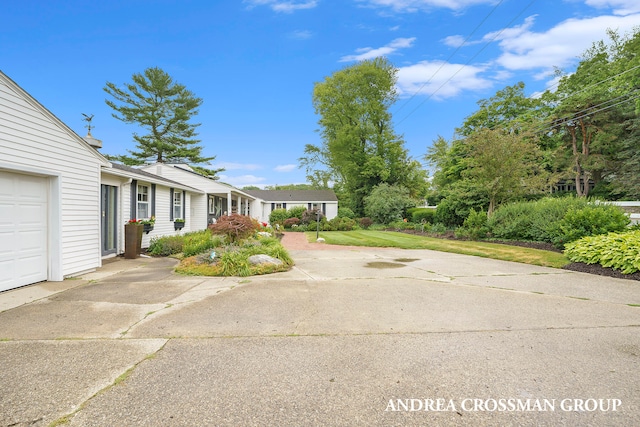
(263, 259)
(320, 240)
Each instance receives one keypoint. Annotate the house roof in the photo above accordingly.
(294, 195)
(131, 172)
(205, 179)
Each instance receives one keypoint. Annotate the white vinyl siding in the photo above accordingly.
(32, 141)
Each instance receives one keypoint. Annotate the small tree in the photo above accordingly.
(388, 203)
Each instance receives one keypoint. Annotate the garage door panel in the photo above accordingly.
(23, 229)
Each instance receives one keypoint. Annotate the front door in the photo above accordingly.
(109, 219)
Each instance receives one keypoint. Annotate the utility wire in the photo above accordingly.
(450, 56)
(586, 114)
(468, 62)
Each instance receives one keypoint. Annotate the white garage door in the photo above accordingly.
(23, 229)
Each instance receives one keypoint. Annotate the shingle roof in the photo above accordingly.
(150, 176)
(294, 195)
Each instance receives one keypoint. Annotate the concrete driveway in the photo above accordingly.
(349, 337)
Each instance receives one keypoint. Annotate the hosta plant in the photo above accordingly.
(620, 251)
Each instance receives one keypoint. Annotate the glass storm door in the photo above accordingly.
(109, 219)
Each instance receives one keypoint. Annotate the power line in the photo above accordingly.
(450, 56)
(469, 61)
(586, 112)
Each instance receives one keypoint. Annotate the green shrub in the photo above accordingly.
(620, 251)
(343, 224)
(165, 246)
(591, 220)
(475, 226)
(296, 212)
(278, 216)
(402, 225)
(199, 242)
(387, 203)
(346, 213)
(446, 214)
(421, 215)
(544, 220)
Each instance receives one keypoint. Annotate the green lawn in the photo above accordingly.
(410, 241)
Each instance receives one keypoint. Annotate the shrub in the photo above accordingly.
(199, 242)
(365, 222)
(475, 226)
(290, 222)
(278, 216)
(311, 215)
(388, 203)
(343, 224)
(296, 212)
(620, 251)
(346, 213)
(165, 246)
(446, 214)
(401, 225)
(543, 220)
(235, 227)
(590, 220)
(421, 215)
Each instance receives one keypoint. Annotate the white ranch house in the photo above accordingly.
(63, 205)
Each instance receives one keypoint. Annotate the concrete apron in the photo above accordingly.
(347, 337)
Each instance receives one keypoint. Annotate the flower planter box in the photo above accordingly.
(178, 225)
(148, 228)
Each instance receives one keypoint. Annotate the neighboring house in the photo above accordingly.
(269, 200)
(49, 194)
(217, 198)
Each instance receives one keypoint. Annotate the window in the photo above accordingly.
(279, 206)
(177, 204)
(143, 202)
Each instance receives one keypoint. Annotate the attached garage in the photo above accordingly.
(23, 229)
(49, 194)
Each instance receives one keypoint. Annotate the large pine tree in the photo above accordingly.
(164, 108)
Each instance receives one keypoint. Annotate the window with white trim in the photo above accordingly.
(177, 204)
(143, 202)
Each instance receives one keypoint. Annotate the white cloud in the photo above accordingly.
(237, 166)
(411, 6)
(243, 180)
(560, 46)
(620, 7)
(285, 168)
(440, 79)
(283, 6)
(370, 53)
(301, 34)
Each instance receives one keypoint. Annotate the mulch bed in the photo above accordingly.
(574, 266)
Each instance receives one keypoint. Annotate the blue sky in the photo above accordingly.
(254, 62)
